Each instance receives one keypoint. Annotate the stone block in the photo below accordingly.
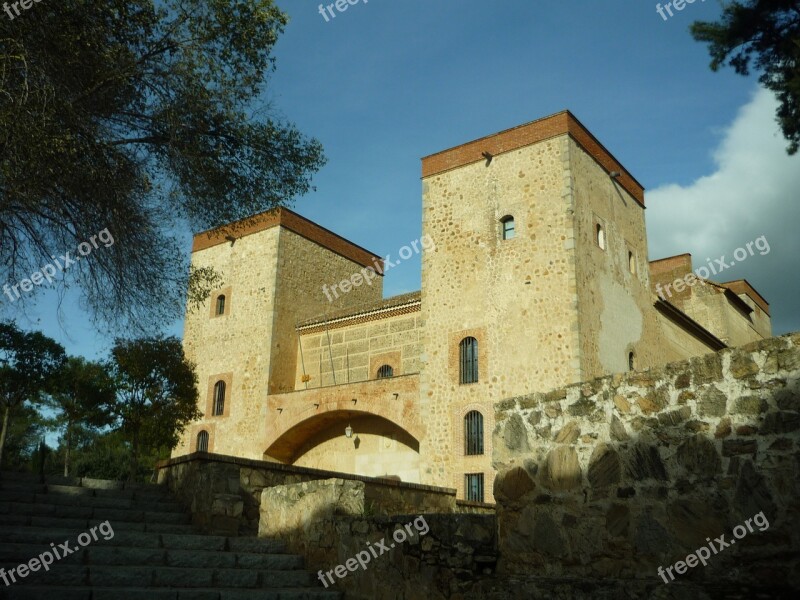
(749, 405)
(568, 434)
(515, 435)
(644, 462)
(712, 402)
(562, 471)
(512, 484)
(604, 467)
(699, 456)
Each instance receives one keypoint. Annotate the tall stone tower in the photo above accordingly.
(541, 259)
(274, 267)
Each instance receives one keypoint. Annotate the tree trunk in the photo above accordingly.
(3, 434)
(66, 450)
(134, 468)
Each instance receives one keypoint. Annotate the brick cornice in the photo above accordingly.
(525, 135)
(292, 221)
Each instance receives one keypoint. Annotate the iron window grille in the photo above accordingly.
(473, 486)
(219, 398)
(468, 363)
(473, 433)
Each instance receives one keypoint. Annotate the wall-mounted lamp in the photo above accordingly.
(231, 239)
(354, 400)
(348, 432)
(316, 405)
(488, 156)
(614, 174)
(280, 410)
(396, 395)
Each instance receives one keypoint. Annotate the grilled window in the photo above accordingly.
(202, 441)
(220, 305)
(468, 363)
(473, 486)
(473, 433)
(385, 371)
(219, 398)
(508, 227)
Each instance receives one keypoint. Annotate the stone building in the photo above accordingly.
(535, 276)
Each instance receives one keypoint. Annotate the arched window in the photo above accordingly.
(631, 262)
(219, 398)
(220, 304)
(202, 441)
(507, 224)
(631, 361)
(601, 237)
(385, 371)
(473, 433)
(468, 360)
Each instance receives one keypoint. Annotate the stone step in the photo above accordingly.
(151, 493)
(61, 574)
(139, 593)
(89, 500)
(135, 539)
(71, 511)
(17, 553)
(79, 525)
(154, 553)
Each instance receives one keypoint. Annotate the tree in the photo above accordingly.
(140, 118)
(156, 393)
(83, 395)
(28, 364)
(25, 432)
(764, 34)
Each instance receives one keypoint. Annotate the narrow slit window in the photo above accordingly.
(508, 228)
(473, 433)
(631, 262)
(631, 361)
(601, 236)
(219, 398)
(468, 360)
(473, 487)
(220, 305)
(202, 441)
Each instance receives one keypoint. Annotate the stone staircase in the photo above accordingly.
(154, 553)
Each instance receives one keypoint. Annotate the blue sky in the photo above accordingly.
(390, 81)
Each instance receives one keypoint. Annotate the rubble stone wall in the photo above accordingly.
(614, 478)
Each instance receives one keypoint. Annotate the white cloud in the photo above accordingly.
(753, 191)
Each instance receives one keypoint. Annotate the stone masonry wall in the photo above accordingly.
(611, 479)
(224, 493)
(272, 280)
(445, 556)
(357, 351)
(516, 296)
